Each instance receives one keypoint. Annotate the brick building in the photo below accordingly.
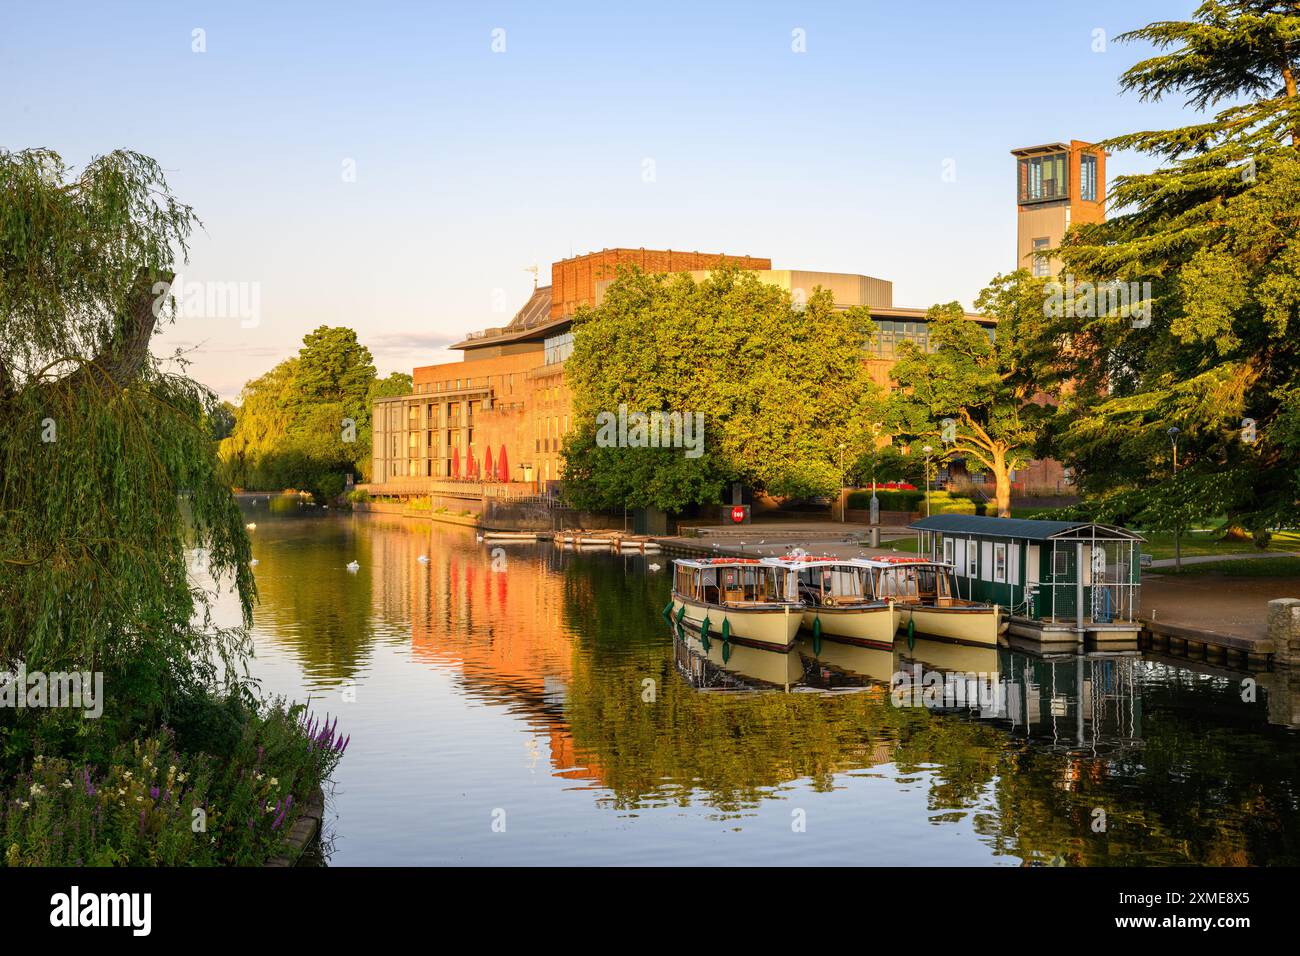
(501, 413)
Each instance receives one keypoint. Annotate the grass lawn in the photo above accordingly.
(1160, 544)
(902, 544)
(1280, 567)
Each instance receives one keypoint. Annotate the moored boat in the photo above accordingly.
(743, 601)
(924, 596)
(839, 600)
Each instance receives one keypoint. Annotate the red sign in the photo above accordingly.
(738, 514)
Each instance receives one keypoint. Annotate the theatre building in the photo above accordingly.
(499, 416)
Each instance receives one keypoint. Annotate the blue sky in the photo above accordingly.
(471, 165)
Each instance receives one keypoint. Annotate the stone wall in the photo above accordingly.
(1284, 630)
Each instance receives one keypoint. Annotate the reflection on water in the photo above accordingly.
(543, 690)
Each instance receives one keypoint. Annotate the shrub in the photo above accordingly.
(153, 804)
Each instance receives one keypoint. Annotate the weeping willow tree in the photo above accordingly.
(108, 473)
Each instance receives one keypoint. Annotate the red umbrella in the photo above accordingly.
(503, 467)
(487, 464)
(455, 462)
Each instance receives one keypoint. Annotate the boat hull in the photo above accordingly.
(873, 626)
(966, 625)
(773, 628)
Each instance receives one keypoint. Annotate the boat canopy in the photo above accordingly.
(713, 562)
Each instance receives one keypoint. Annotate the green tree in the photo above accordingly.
(781, 386)
(306, 422)
(333, 369)
(392, 386)
(108, 472)
(1211, 348)
(973, 396)
(222, 420)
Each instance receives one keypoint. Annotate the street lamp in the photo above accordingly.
(927, 449)
(844, 502)
(875, 449)
(1178, 550)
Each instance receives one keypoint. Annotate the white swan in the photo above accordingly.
(254, 563)
(654, 567)
(251, 526)
(353, 566)
(423, 559)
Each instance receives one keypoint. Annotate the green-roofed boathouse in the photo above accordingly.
(1061, 580)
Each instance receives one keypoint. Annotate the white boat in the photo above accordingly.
(743, 600)
(511, 535)
(924, 595)
(839, 600)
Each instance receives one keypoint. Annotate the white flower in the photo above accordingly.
(66, 785)
(37, 790)
(274, 782)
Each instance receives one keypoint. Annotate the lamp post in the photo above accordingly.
(1178, 549)
(875, 449)
(844, 501)
(927, 449)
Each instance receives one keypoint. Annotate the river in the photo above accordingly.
(525, 705)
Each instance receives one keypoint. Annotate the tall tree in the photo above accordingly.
(1215, 231)
(306, 422)
(973, 396)
(108, 474)
(780, 385)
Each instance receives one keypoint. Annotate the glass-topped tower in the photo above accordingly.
(1057, 184)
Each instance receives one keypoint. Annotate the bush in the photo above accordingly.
(155, 805)
(941, 502)
(889, 500)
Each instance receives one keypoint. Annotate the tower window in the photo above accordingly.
(1041, 266)
(1043, 178)
(1088, 177)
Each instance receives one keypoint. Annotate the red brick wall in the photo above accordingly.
(573, 281)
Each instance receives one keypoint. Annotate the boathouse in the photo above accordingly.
(1060, 580)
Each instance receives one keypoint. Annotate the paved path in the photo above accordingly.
(761, 540)
(1231, 556)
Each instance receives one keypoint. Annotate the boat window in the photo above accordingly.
(926, 582)
(999, 562)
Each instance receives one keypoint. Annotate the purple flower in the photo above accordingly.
(153, 792)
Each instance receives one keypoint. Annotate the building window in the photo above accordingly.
(558, 348)
(1043, 178)
(1060, 564)
(1042, 265)
(1088, 177)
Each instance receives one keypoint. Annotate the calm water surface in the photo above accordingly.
(514, 689)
